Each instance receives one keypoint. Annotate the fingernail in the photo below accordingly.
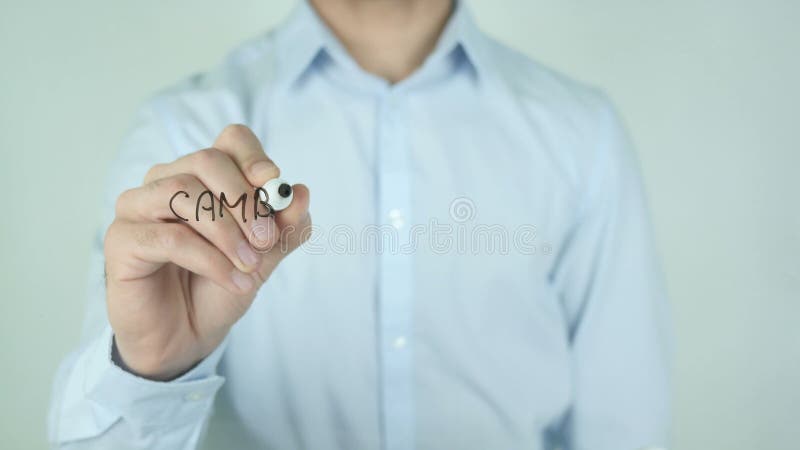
(242, 281)
(246, 254)
(265, 233)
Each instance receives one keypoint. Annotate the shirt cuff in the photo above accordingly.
(104, 393)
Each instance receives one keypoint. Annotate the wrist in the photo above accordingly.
(150, 367)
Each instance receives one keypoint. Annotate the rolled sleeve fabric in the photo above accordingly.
(97, 395)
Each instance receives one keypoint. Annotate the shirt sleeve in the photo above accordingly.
(101, 405)
(612, 288)
(95, 403)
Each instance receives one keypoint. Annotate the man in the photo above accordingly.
(399, 324)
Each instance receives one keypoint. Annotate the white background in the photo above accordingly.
(710, 91)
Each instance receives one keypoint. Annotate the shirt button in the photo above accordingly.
(396, 218)
(399, 342)
(194, 396)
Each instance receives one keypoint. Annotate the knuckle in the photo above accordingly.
(182, 182)
(208, 158)
(145, 236)
(236, 132)
(153, 173)
(110, 238)
(173, 237)
(123, 202)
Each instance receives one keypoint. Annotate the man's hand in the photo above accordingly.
(174, 288)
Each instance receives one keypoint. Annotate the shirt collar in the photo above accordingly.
(304, 36)
(462, 33)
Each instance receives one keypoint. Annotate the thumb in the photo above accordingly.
(294, 225)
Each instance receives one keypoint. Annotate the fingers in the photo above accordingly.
(234, 166)
(223, 177)
(180, 197)
(136, 250)
(239, 142)
(295, 225)
(296, 215)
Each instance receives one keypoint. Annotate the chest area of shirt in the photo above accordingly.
(390, 161)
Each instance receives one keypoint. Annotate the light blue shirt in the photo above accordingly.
(482, 273)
